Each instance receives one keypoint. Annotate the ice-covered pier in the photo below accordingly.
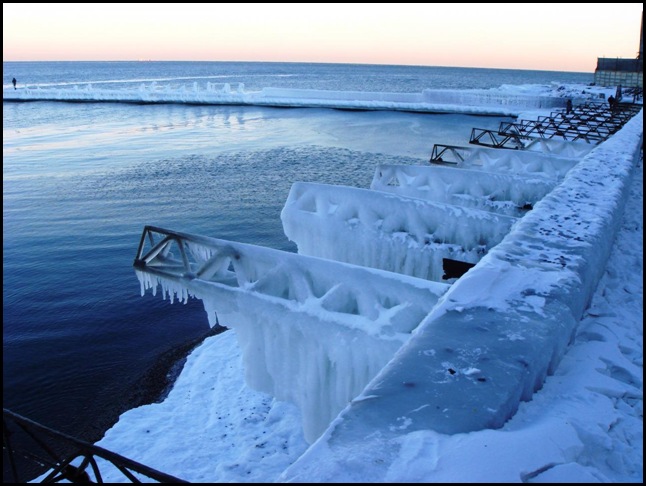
(312, 331)
(387, 231)
(522, 162)
(383, 345)
(504, 193)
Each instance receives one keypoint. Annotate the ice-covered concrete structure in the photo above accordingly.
(508, 161)
(508, 194)
(475, 358)
(387, 231)
(311, 331)
(343, 341)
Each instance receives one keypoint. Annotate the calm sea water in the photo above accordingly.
(80, 181)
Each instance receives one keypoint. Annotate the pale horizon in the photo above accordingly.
(544, 37)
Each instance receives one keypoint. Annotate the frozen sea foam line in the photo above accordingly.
(472, 361)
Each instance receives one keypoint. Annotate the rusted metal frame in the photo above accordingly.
(583, 132)
(573, 137)
(624, 116)
(526, 123)
(588, 115)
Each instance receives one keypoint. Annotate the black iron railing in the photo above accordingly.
(64, 458)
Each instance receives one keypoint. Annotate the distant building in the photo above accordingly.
(628, 73)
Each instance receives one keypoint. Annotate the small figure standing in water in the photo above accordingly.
(568, 106)
(14, 83)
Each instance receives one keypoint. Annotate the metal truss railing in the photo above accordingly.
(174, 255)
(45, 446)
(592, 123)
(448, 154)
(552, 129)
(495, 139)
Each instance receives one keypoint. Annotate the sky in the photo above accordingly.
(584, 425)
(553, 37)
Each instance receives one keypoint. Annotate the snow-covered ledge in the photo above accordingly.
(311, 331)
(509, 194)
(387, 231)
(483, 349)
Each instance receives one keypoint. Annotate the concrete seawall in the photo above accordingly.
(476, 357)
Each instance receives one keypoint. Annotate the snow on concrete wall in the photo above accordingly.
(496, 334)
(508, 194)
(386, 231)
(311, 331)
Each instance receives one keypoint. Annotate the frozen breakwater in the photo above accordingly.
(471, 360)
(386, 231)
(502, 193)
(474, 101)
(312, 331)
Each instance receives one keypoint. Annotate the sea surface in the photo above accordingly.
(81, 180)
